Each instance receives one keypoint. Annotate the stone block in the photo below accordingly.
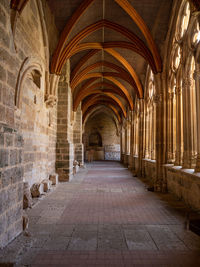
(2, 113)
(54, 178)
(7, 129)
(1, 139)
(2, 72)
(27, 199)
(37, 190)
(8, 140)
(4, 154)
(13, 157)
(18, 140)
(47, 185)
(6, 176)
(9, 116)
(17, 175)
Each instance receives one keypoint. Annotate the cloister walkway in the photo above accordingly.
(106, 217)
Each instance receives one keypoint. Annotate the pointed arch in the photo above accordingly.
(94, 92)
(109, 76)
(92, 108)
(67, 30)
(142, 49)
(29, 64)
(85, 73)
(122, 60)
(81, 62)
(129, 9)
(102, 64)
(107, 97)
(82, 93)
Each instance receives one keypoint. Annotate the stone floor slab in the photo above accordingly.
(105, 217)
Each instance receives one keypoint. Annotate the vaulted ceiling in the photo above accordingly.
(109, 44)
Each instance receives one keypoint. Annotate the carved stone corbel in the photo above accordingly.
(51, 90)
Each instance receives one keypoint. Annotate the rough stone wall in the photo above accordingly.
(38, 127)
(11, 183)
(110, 140)
(31, 121)
(64, 145)
(35, 121)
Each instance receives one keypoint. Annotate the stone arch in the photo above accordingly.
(17, 10)
(30, 64)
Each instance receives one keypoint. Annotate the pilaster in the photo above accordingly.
(140, 136)
(197, 84)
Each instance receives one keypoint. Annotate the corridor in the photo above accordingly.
(105, 217)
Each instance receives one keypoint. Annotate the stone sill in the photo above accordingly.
(191, 172)
(149, 160)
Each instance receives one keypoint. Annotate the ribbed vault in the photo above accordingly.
(109, 44)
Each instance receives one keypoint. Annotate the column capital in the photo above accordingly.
(178, 90)
(196, 75)
(170, 95)
(158, 98)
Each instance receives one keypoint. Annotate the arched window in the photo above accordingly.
(183, 20)
(192, 111)
(181, 81)
(196, 33)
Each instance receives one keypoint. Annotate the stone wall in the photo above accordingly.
(11, 183)
(24, 70)
(184, 184)
(101, 124)
(149, 170)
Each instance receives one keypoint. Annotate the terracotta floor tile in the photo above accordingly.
(106, 217)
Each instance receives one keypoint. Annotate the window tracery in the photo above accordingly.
(183, 21)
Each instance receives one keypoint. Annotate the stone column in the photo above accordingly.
(187, 127)
(131, 141)
(126, 144)
(148, 134)
(77, 137)
(170, 145)
(178, 156)
(140, 136)
(197, 84)
(153, 154)
(122, 143)
(160, 149)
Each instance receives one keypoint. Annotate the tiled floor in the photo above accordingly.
(106, 217)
